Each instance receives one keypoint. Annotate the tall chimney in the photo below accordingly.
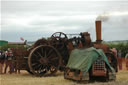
(98, 31)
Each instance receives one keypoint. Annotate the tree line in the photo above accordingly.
(120, 46)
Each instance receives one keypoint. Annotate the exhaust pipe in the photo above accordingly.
(98, 31)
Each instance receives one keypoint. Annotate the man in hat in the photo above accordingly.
(8, 62)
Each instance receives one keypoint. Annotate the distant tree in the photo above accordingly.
(122, 46)
(5, 47)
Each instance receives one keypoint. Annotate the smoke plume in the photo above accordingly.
(103, 17)
(106, 15)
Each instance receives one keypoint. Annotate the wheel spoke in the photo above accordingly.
(50, 56)
(34, 64)
(35, 58)
(49, 53)
(35, 55)
(45, 53)
(54, 58)
(39, 54)
(40, 68)
(42, 50)
(37, 66)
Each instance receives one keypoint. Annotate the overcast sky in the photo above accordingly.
(35, 19)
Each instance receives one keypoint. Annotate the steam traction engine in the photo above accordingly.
(51, 55)
(48, 56)
(99, 69)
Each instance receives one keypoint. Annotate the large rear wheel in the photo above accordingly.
(42, 59)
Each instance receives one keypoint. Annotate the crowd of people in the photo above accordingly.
(6, 61)
(120, 58)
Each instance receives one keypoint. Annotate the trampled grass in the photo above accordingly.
(26, 79)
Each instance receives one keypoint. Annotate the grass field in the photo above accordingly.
(26, 79)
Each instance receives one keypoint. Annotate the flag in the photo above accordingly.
(21, 38)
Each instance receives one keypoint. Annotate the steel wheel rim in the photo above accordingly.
(43, 67)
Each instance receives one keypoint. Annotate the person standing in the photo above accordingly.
(119, 54)
(1, 62)
(10, 57)
(114, 51)
(6, 62)
(115, 61)
(126, 59)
